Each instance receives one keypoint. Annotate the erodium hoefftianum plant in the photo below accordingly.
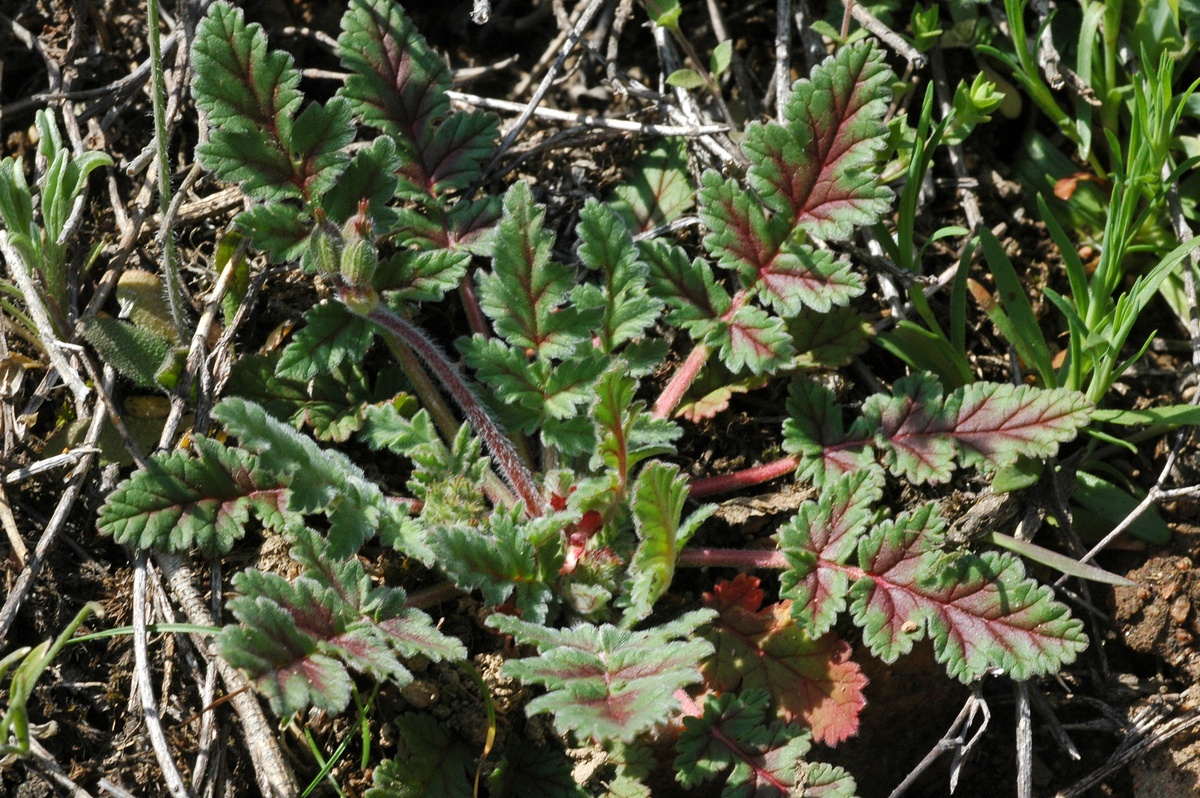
(558, 502)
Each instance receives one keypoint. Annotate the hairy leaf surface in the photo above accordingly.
(660, 189)
(607, 682)
(766, 758)
(432, 762)
(980, 611)
(296, 639)
(810, 679)
(815, 170)
(206, 501)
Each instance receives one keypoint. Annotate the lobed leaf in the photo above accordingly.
(502, 562)
(696, 300)
(767, 758)
(331, 336)
(250, 96)
(605, 244)
(816, 169)
(606, 682)
(752, 339)
(179, 501)
(980, 611)
(296, 639)
(811, 679)
(322, 481)
(659, 495)
(431, 762)
(525, 292)
(787, 275)
(626, 433)
(398, 85)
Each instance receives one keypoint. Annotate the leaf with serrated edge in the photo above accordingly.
(431, 762)
(696, 300)
(321, 480)
(180, 501)
(815, 433)
(829, 340)
(752, 339)
(826, 531)
(331, 335)
(295, 639)
(767, 760)
(524, 293)
(810, 679)
(606, 245)
(817, 169)
(980, 611)
(626, 432)
(659, 191)
(659, 495)
(788, 276)
(987, 425)
(606, 682)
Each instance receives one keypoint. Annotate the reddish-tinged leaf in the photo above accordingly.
(659, 190)
(696, 299)
(817, 170)
(788, 276)
(913, 430)
(826, 531)
(829, 340)
(810, 680)
(980, 611)
(606, 682)
(996, 423)
(815, 433)
(767, 758)
(752, 339)
(180, 501)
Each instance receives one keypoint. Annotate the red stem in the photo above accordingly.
(727, 483)
(684, 376)
(732, 558)
(501, 448)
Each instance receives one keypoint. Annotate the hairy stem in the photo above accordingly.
(501, 448)
(727, 483)
(170, 266)
(732, 558)
(684, 376)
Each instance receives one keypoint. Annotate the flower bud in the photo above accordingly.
(359, 260)
(325, 249)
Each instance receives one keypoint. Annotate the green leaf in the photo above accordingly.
(827, 530)
(331, 335)
(815, 432)
(627, 434)
(135, 353)
(818, 170)
(722, 56)
(828, 340)
(277, 228)
(788, 276)
(766, 757)
(321, 481)
(412, 276)
(605, 244)
(295, 640)
(502, 562)
(754, 340)
(659, 190)
(525, 292)
(606, 682)
(664, 13)
(528, 771)
(659, 495)
(179, 501)
(431, 762)
(689, 288)
(685, 79)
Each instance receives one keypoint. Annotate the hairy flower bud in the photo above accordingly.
(359, 260)
(325, 249)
